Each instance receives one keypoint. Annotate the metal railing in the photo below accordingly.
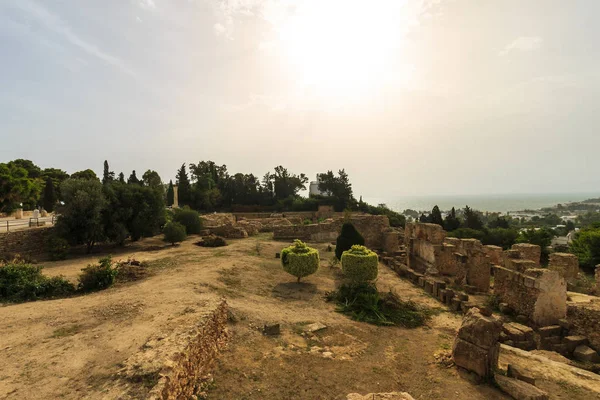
(18, 224)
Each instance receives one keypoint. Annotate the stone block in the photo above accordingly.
(520, 374)
(442, 295)
(585, 353)
(463, 297)
(561, 348)
(465, 306)
(564, 323)
(519, 390)
(572, 342)
(525, 345)
(455, 304)
(479, 329)
(552, 330)
(472, 358)
(518, 332)
(421, 281)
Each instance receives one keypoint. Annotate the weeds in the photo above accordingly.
(362, 302)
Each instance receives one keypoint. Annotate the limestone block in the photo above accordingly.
(475, 359)
(566, 264)
(519, 390)
(528, 251)
(585, 353)
(480, 330)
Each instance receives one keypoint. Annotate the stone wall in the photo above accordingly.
(566, 264)
(528, 251)
(464, 261)
(177, 362)
(28, 242)
(539, 294)
(371, 227)
(584, 319)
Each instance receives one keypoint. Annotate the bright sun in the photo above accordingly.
(344, 49)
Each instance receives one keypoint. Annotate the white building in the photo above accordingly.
(313, 189)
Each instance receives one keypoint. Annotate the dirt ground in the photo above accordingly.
(72, 348)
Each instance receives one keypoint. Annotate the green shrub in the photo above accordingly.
(174, 232)
(188, 218)
(348, 237)
(25, 282)
(362, 302)
(58, 248)
(359, 264)
(97, 276)
(212, 241)
(300, 260)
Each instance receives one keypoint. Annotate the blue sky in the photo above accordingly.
(411, 97)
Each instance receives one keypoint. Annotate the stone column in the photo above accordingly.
(19, 213)
(175, 197)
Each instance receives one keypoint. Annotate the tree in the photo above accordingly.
(451, 223)
(174, 232)
(33, 171)
(586, 246)
(107, 176)
(472, 219)
(285, 184)
(348, 237)
(58, 176)
(570, 225)
(424, 219)
(17, 187)
(184, 189)
(170, 194)
(152, 180)
(436, 216)
(80, 219)
(338, 188)
(188, 218)
(499, 222)
(85, 174)
(49, 200)
(133, 179)
(121, 177)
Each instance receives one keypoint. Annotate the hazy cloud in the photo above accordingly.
(523, 43)
(147, 4)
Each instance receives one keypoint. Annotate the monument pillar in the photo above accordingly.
(175, 197)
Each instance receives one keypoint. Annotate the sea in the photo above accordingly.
(502, 203)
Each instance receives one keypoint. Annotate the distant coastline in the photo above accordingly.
(491, 203)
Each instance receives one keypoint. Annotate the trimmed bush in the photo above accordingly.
(97, 276)
(174, 232)
(25, 282)
(300, 260)
(359, 264)
(58, 248)
(188, 218)
(348, 237)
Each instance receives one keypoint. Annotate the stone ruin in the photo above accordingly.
(463, 262)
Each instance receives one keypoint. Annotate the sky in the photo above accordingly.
(411, 97)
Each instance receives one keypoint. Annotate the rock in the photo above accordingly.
(486, 311)
(564, 323)
(271, 330)
(517, 373)
(317, 326)
(505, 309)
(572, 342)
(517, 332)
(519, 390)
(479, 329)
(585, 353)
(380, 396)
(475, 359)
(522, 319)
(552, 330)
(327, 354)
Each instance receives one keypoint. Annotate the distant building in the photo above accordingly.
(313, 189)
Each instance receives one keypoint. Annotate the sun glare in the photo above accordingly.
(344, 49)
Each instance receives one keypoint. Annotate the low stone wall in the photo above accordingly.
(28, 242)
(371, 227)
(584, 319)
(177, 362)
(539, 294)
(528, 251)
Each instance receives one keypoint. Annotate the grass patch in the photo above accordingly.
(230, 277)
(362, 302)
(66, 331)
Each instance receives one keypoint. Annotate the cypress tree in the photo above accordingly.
(436, 216)
(349, 236)
(133, 178)
(107, 175)
(184, 190)
(170, 194)
(49, 200)
(121, 177)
